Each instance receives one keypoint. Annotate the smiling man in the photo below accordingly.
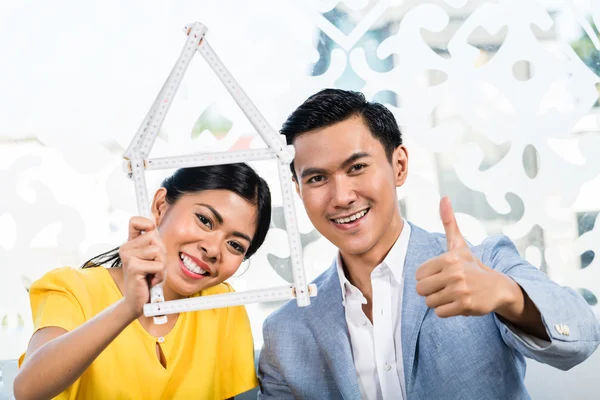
(403, 313)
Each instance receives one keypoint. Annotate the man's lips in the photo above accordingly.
(351, 224)
(357, 215)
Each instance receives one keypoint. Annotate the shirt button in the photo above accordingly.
(364, 323)
(387, 367)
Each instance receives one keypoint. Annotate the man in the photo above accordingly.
(403, 313)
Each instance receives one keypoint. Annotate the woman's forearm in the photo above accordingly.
(57, 364)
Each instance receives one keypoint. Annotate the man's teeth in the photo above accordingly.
(351, 218)
(192, 266)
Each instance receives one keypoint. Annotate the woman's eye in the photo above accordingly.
(238, 247)
(204, 220)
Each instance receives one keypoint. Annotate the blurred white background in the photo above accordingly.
(498, 103)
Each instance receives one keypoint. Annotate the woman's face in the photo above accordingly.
(206, 235)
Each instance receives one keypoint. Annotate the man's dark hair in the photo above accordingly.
(330, 106)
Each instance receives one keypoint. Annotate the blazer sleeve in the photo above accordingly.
(570, 323)
(272, 383)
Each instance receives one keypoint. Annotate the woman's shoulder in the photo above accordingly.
(221, 288)
(226, 313)
(70, 273)
(232, 313)
(89, 289)
(72, 278)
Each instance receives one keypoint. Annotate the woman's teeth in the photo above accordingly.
(192, 266)
(351, 218)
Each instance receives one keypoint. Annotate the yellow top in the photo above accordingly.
(209, 354)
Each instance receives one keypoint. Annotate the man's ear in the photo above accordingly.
(400, 164)
(159, 205)
(297, 186)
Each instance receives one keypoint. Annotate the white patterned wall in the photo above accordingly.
(497, 108)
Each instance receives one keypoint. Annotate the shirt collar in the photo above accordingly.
(397, 256)
(394, 261)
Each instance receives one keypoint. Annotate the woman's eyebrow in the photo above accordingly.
(242, 235)
(219, 218)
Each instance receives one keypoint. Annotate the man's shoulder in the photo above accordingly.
(291, 313)
(493, 246)
(421, 236)
(485, 247)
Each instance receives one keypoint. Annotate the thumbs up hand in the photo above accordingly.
(457, 282)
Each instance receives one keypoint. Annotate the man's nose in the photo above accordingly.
(342, 192)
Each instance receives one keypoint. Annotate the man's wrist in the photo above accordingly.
(511, 300)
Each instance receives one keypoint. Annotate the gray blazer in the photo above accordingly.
(307, 352)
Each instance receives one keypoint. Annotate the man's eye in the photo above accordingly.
(357, 167)
(316, 179)
(204, 220)
(238, 247)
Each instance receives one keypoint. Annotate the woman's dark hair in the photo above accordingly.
(237, 178)
(330, 106)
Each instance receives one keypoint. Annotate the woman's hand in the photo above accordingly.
(143, 258)
(60, 357)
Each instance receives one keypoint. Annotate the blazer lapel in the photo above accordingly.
(421, 247)
(331, 334)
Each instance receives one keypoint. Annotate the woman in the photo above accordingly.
(91, 338)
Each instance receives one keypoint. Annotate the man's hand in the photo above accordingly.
(458, 283)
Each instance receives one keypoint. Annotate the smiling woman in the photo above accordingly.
(91, 338)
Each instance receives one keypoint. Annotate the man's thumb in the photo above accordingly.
(453, 235)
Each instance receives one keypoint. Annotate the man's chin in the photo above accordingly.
(354, 249)
(351, 245)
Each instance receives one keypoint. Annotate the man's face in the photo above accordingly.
(348, 186)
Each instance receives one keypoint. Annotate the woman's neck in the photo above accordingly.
(170, 294)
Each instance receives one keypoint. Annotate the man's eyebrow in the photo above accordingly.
(219, 218)
(313, 171)
(345, 164)
(354, 157)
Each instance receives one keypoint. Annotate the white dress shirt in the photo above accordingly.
(377, 347)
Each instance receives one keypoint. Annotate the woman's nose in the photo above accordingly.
(210, 248)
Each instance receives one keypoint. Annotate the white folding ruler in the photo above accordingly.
(137, 162)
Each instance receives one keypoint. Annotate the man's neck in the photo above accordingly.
(358, 268)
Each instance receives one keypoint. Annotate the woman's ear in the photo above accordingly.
(159, 205)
